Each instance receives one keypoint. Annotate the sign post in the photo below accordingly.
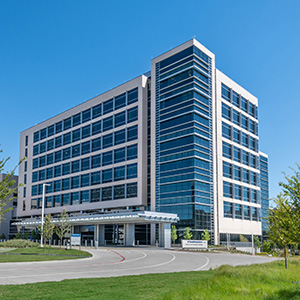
(75, 239)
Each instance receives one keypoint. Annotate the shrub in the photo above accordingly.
(266, 247)
(16, 243)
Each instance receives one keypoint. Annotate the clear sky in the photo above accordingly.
(57, 54)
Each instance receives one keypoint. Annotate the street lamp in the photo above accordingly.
(43, 209)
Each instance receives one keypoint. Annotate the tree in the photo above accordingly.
(63, 226)
(48, 228)
(206, 236)
(257, 243)
(283, 224)
(187, 233)
(8, 188)
(173, 233)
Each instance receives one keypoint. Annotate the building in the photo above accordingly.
(7, 229)
(181, 140)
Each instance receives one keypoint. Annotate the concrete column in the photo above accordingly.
(101, 235)
(165, 235)
(153, 234)
(129, 234)
(96, 235)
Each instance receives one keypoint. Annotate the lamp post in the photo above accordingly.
(43, 209)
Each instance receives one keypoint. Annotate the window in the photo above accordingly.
(75, 182)
(237, 192)
(253, 178)
(85, 164)
(49, 201)
(236, 117)
(107, 175)
(253, 144)
(26, 140)
(35, 163)
(66, 184)
(85, 131)
(58, 156)
(227, 152)
(227, 169)
(76, 135)
(246, 194)
(57, 171)
(244, 122)
(119, 191)
(36, 150)
(95, 178)
(36, 136)
(120, 101)
(96, 127)
(235, 99)
(226, 131)
(49, 173)
(86, 115)
(57, 185)
(66, 169)
(119, 173)
(43, 133)
(228, 210)
(50, 144)
(96, 161)
(85, 180)
(132, 171)
(85, 147)
(246, 212)
(237, 173)
(35, 176)
(75, 198)
(226, 94)
(43, 147)
(245, 139)
(236, 135)
(107, 193)
(108, 123)
(84, 196)
(108, 106)
(132, 152)
(58, 141)
(107, 158)
(96, 111)
(254, 213)
(76, 150)
(132, 133)
(236, 154)
(107, 140)
(66, 199)
(76, 119)
(245, 157)
(237, 211)
(51, 130)
(227, 189)
(254, 197)
(67, 123)
(67, 138)
(25, 178)
(245, 176)
(58, 127)
(57, 200)
(42, 161)
(132, 114)
(95, 195)
(226, 112)
(244, 104)
(75, 166)
(131, 190)
(120, 137)
(42, 175)
(96, 144)
(119, 155)
(132, 96)
(253, 162)
(120, 119)
(50, 158)
(67, 153)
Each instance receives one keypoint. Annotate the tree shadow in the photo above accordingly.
(285, 294)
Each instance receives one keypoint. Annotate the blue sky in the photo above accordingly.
(57, 54)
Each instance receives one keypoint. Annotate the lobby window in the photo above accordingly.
(120, 101)
(76, 119)
(85, 196)
(131, 190)
(132, 133)
(228, 210)
(132, 114)
(119, 191)
(132, 171)
(108, 106)
(86, 115)
(107, 193)
(96, 111)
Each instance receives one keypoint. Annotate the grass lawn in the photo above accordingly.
(55, 254)
(267, 281)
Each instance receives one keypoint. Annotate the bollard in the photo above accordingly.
(96, 245)
(85, 243)
(92, 242)
(64, 243)
(59, 243)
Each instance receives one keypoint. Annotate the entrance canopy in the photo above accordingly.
(136, 217)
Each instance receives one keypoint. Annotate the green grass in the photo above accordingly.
(267, 281)
(51, 254)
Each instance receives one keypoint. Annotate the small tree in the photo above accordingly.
(173, 234)
(266, 247)
(48, 228)
(282, 224)
(206, 236)
(63, 226)
(257, 243)
(187, 233)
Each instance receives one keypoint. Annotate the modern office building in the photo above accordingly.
(180, 140)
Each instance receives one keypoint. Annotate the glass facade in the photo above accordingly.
(184, 139)
(264, 185)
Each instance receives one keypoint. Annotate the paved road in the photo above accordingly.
(119, 262)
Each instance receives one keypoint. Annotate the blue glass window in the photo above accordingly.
(43, 133)
(85, 131)
(107, 193)
(246, 212)
(34, 190)
(132, 152)
(245, 157)
(96, 111)
(107, 175)
(43, 147)
(76, 150)
(85, 164)
(95, 195)
(50, 158)
(120, 137)
(66, 199)
(245, 139)
(36, 136)
(107, 140)
(96, 127)
(237, 173)
(132, 171)
(75, 166)
(49, 173)
(76, 135)
(85, 147)
(226, 112)
(75, 182)
(58, 141)
(235, 99)
(227, 169)
(226, 94)
(227, 189)
(237, 192)
(75, 198)
(76, 119)
(57, 171)
(236, 117)
(67, 153)
(107, 158)
(86, 115)
(66, 169)
(254, 197)
(85, 180)
(108, 123)
(119, 155)
(253, 162)
(57, 185)
(119, 191)
(42, 161)
(246, 194)
(236, 135)
(36, 150)
(237, 211)
(131, 190)
(228, 210)
(66, 184)
(120, 119)
(35, 176)
(236, 154)
(132, 96)
(67, 138)
(244, 104)
(120, 101)
(244, 122)
(108, 106)
(57, 200)
(50, 144)
(226, 131)
(58, 127)
(67, 123)
(95, 178)
(96, 144)
(132, 133)
(132, 114)
(119, 173)
(42, 175)
(96, 161)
